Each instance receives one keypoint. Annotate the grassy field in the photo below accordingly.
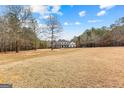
(81, 67)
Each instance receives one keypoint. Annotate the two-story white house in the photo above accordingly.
(61, 43)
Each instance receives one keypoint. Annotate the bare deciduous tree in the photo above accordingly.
(52, 28)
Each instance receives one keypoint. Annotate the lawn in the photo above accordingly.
(74, 67)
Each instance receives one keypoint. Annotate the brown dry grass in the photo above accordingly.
(83, 67)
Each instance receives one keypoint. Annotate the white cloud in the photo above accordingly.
(42, 25)
(66, 23)
(45, 17)
(104, 9)
(101, 13)
(72, 24)
(106, 6)
(82, 13)
(77, 23)
(43, 9)
(39, 9)
(56, 9)
(94, 21)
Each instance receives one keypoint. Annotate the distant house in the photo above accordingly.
(72, 44)
(61, 43)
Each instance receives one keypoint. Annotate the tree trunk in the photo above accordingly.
(52, 40)
(35, 44)
(17, 46)
(51, 44)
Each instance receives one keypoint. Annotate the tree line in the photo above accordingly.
(19, 29)
(102, 37)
